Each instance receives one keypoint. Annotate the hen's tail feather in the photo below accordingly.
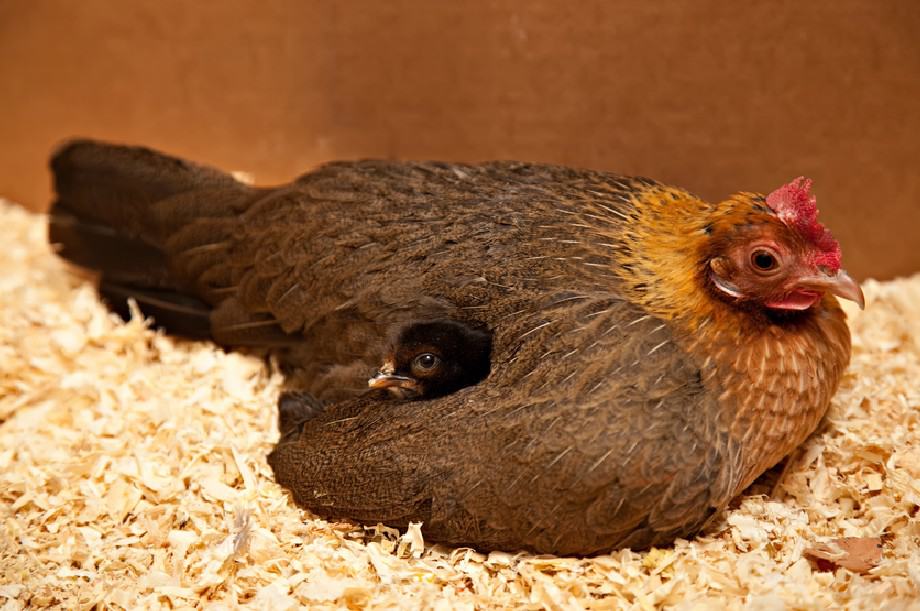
(177, 313)
(102, 248)
(115, 209)
(118, 185)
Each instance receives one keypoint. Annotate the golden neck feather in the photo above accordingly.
(663, 265)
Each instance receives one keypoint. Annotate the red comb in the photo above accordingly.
(797, 207)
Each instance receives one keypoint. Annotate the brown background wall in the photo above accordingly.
(715, 96)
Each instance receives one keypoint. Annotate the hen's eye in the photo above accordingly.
(426, 361)
(763, 260)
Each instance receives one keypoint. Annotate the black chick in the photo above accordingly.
(425, 360)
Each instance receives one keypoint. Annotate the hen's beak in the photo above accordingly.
(839, 284)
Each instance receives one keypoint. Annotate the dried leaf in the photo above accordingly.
(859, 554)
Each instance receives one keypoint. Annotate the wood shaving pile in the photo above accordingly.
(133, 475)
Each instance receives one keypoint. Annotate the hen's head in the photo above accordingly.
(432, 359)
(773, 251)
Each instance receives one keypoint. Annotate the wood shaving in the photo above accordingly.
(133, 475)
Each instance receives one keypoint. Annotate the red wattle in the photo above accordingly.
(797, 300)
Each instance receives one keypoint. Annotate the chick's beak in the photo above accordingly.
(398, 385)
(839, 284)
(387, 380)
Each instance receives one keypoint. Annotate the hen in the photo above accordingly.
(653, 353)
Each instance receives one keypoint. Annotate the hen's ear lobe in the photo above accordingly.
(720, 270)
(720, 265)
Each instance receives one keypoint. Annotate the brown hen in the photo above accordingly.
(653, 353)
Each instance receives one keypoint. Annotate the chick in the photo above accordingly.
(425, 360)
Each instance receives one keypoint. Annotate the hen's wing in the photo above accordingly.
(343, 253)
(551, 452)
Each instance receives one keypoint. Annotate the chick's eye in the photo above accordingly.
(764, 260)
(426, 361)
